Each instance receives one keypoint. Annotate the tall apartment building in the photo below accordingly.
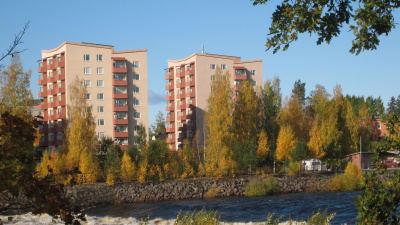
(116, 83)
(189, 85)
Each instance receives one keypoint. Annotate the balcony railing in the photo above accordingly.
(182, 116)
(120, 82)
(120, 121)
(181, 85)
(120, 108)
(170, 129)
(120, 134)
(120, 95)
(169, 87)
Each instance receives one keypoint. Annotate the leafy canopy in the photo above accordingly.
(367, 19)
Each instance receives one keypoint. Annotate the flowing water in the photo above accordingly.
(242, 210)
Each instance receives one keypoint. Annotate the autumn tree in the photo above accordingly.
(127, 168)
(319, 98)
(315, 145)
(245, 113)
(16, 97)
(188, 160)
(326, 20)
(156, 158)
(89, 168)
(244, 156)
(286, 143)
(80, 132)
(112, 165)
(365, 127)
(218, 124)
(263, 148)
(292, 114)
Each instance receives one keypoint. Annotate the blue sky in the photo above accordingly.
(175, 29)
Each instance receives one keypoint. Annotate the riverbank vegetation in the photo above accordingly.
(264, 187)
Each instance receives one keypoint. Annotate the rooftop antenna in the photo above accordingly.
(202, 49)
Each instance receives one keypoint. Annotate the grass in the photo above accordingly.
(203, 217)
(262, 187)
(343, 182)
(212, 192)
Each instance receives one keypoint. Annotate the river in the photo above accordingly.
(240, 210)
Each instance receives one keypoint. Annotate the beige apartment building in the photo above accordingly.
(189, 85)
(116, 83)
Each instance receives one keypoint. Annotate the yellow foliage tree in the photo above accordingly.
(143, 171)
(127, 168)
(57, 163)
(315, 145)
(80, 133)
(43, 167)
(353, 169)
(89, 167)
(263, 147)
(218, 124)
(291, 114)
(286, 143)
(245, 113)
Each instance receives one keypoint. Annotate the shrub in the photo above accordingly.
(354, 170)
(263, 187)
(344, 182)
(203, 217)
(321, 218)
(294, 168)
(212, 192)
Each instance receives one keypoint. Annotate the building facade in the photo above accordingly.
(189, 85)
(116, 83)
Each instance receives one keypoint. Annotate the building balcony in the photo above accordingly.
(60, 90)
(51, 143)
(59, 142)
(169, 98)
(51, 104)
(171, 140)
(190, 94)
(191, 71)
(61, 115)
(42, 106)
(119, 70)
(191, 105)
(120, 121)
(60, 103)
(192, 127)
(170, 129)
(183, 128)
(169, 87)
(180, 107)
(42, 94)
(52, 92)
(182, 117)
(60, 64)
(181, 74)
(52, 129)
(120, 82)
(120, 95)
(236, 88)
(60, 129)
(42, 69)
(121, 134)
(181, 85)
(120, 108)
(169, 76)
(240, 77)
(191, 116)
(53, 117)
(60, 77)
(49, 66)
(43, 130)
(170, 108)
(170, 119)
(190, 83)
(43, 81)
(180, 96)
(43, 143)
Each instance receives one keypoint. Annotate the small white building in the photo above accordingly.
(313, 164)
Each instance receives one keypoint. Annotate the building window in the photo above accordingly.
(136, 89)
(120, 102)
(100, 58)
(119, 77)
(136, 64)
(100, 96)
(212, 77)
(59, 97)
(378, 126)
(100, 70)
(136, 77)
(253, 72)
(100, 83)
(237, 94)
(100, 135)
(100, 122)
(212, 66)
(254, 83)
(86, 57)
(119, 90)
(87, 96)
(58, 71)
(58, 58)
(86, 70)
(136, 102)
(137, 115)
(87, 83)
(100, 109)
(223, 66)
